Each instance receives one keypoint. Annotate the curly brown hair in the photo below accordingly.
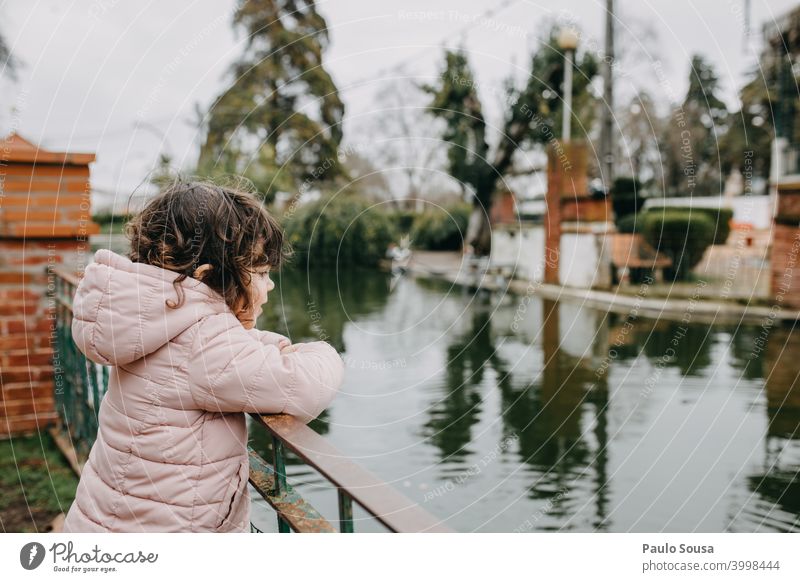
(191, 223)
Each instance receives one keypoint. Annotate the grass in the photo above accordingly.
(117, 227)
(111, 224)
(36, 483)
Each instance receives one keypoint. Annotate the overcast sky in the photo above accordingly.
(94, 71)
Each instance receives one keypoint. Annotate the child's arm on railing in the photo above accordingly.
(232, 370)
(269, 338)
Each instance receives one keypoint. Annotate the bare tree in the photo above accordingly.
(8, 64)
(406, 144)
(640, 127)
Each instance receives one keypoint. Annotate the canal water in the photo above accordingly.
(513, 414)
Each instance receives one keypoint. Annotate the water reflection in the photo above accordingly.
(775, 501)
(516, 414)
(470, 357)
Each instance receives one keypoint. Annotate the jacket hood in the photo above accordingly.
(120, 313)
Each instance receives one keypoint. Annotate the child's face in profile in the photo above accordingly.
(260, 286)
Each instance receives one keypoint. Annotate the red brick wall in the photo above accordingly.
(785, 266)
(44, 200)
(586, 209)
(26, 325)
(45, 221)
(785, 253)
(26, 372)
(782, 384)
(789, 202)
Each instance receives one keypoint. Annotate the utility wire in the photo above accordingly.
(398, 66)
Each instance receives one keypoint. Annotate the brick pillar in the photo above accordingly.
(569, 201)
(785, 253)
(552, 217)
(783, 382)
(45, 220)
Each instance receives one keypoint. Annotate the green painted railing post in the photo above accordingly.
(345, 512)
(279, 463)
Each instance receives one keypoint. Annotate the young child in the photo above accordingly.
(175, 321)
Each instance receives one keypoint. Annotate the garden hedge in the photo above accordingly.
(684, 236)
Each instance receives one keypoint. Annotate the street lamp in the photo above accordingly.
(568, 42)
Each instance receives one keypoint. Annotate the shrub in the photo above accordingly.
(724, 217)
(441, 229)
(630, 223)
(344, 230)
(108, 218)
(626, 197)
(720, 219)
(112, 223)
(403, 220)
(683, 236)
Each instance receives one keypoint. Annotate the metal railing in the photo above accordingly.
(80, 385)
(79, 382)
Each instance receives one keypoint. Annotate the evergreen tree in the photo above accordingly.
(279, 122)
(8, 64)
(692, 164)
(766, 103)
(531, 115)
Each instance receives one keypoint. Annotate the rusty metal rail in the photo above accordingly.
(294, 512)
(353, 483)
(81, 384)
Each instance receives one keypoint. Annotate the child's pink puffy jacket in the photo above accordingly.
(171, 451)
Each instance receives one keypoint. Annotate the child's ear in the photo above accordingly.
(200, 272)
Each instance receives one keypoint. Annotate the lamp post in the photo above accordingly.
(568, 42)
(607, 112)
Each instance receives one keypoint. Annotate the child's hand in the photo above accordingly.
(287, 347)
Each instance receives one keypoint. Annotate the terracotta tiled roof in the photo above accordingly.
(15, 148)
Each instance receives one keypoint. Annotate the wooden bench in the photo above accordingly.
(631, 253)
